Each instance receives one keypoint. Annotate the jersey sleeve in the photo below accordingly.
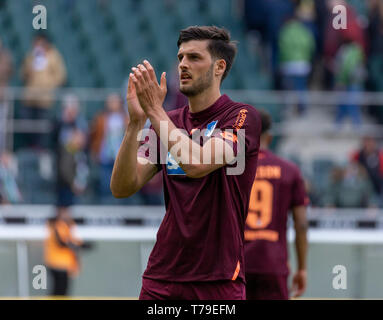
(242, 130)
(300, 197)
(149, 147)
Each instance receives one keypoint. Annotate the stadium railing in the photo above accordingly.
(124, 237)
(276, 102)
(262, 98)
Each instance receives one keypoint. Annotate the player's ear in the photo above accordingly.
(220, 67)
(269, 139)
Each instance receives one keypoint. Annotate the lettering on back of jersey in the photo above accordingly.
(268, 172)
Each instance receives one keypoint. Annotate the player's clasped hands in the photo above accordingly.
(150, 94)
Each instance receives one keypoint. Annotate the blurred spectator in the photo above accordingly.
(375, 64)
(43, 68)
(350, 76)
(306, 14)
(375, 27)
(371, 159)
(335, 38)
(5, 75)
(61, 251)
(322, 17)
(70, 142)
(312, 193)
(350, 187)
(6, 69)
(267, 17)
(107, 132)
(296, 51)
(255, 14)
(9, 191)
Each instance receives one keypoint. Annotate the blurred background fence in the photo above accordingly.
(124, 236)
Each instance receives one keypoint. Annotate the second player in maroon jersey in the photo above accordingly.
(277, 189)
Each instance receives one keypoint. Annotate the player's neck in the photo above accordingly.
(203, 100)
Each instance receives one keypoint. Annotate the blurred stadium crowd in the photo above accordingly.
(283, 45)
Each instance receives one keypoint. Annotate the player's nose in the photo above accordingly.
(183, 65)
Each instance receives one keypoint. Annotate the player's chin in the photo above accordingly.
(186, 88)
(186, 83)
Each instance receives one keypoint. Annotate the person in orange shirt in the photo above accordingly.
(61, 251)
(106, 133)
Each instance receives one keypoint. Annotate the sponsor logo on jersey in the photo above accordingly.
(210, 128)
(240, 119)
(172, 167)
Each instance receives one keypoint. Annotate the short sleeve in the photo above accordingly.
(242, 130)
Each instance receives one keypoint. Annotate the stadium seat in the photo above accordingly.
(220, 9)
(188, 14)
(89, 34)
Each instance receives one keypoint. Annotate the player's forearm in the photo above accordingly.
(301, 246)
(124, 176)
(185, 151)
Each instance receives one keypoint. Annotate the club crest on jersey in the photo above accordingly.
(210, 128)
(172, 167)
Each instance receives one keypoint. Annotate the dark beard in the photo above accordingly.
(201, 85)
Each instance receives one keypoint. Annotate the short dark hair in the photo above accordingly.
(219, 46)
(265, 120)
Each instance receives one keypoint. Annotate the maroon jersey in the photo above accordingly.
(201, 237)
(277, 188)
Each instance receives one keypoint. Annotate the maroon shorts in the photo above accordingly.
(266, 287)
(197, 290)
